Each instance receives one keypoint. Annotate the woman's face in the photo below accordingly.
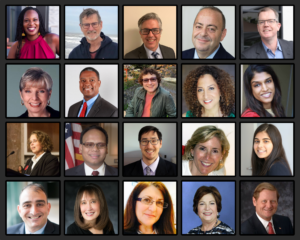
(148, 215)
(208, 92)
(35, 146)
(263, 88)
(207, 156)
(35, 98)
(31, 23)
(263, 145)
(207, 208)
(89, 207)
(151, 84)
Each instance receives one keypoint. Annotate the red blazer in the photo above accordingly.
(249, 113)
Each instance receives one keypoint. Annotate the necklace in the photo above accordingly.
(207, 232)
(140, 232)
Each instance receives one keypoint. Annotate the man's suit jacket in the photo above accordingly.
(51, 228)
(140, 53)
(101, 108)
(253, 225)
(164, 168)
(79, 171)
(257, 50)
(221, 54)
(48, 165)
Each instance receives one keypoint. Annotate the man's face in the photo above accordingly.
(268, 31)
(90, 32)
(89, 84)
(151, 41)
(207, 31)
(266, 204)
(150, 151)
(33, 209)
(93, 157)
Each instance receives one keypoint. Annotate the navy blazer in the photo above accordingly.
(253, 226)
(221, 54)
(164, 168)
(51, 228)
(79, 171)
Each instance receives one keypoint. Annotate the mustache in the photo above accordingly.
(207, 38)
(88, 32)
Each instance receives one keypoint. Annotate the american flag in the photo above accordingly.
(72, 139)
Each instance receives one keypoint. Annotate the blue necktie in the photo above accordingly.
(155, 54)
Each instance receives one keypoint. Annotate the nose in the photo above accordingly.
(268, 204)
(33, 210)
(150, 34)
(35, 96)
(266, 23)
(206, 207)
(205, 94)
(153, 206)
(91, 27)
(264, 87)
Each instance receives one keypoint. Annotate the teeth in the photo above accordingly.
(266, 95)
(206, 164)
(31, 28)
(35, 104)
(208, 101)
(89, 214)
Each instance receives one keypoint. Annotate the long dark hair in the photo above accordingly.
(19, 31)
(252, 102)
(261, 166)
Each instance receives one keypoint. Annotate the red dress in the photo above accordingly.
(249, 113)
(36, 49)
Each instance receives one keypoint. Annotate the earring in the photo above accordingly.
(190, 157)
(48, 103)
(22, 103)
(23, 34)
(39, 34)
(221, 160)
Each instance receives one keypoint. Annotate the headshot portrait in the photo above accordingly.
(268, 149)
(144, 199)
(267, 90)
(91, 149)
(33, 32)
(91, 207)
(150, 90)
(213, 203)
(91, 32)
(208, 91)
(267, 208)
(32, 149)
(267, 32)
(150, 32)
(33, 207)
(91, 90)
(208, 32)
(208, 149)
(150, 149)
(33, 90)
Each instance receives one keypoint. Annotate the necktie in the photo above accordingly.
(148, 171)
(95, 173)
(83, 111)
(270, 228)
(155, 54)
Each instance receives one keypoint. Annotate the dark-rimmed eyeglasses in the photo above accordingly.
(149, 201)
(269, 21)
(153, 79)
(152, 141)
(87, 25)
(91, 145)
(146, 31)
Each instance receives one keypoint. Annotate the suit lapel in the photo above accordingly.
(161, 168)
(261, 51)
(259, 227)
(138, 168)
(96, 107)
(285, 49)
(142, 52)
(21, 229)
(80, 170)
(49, 228)
(277, 225)
(36, 166)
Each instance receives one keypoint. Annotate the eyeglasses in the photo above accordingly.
(153, 79)
(91, 145)
(152, 141)
(149, 201)
(87, 25)
(269, 21)
(146, 31)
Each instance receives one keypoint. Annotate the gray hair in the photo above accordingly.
(265, 9)
(36, 188)
(88, 12)
(213, 9)
(149, 16)
(36, 75)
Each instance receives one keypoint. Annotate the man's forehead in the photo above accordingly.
(92, 133)
(89, 18)
(88, 74)
(150, 134)
(210, 14)
(30, 194)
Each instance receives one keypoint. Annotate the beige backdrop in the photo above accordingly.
(132, 14)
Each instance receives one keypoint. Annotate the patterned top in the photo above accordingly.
(190, 114)
(222, 228)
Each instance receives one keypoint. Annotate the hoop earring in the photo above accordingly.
(22, 103)
(39, 34)
(48, 103)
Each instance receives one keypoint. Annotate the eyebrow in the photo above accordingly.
(206, 147)
(208, 85)
(37, 201)
(152, 197)
(147, 138)
(252, 81)
(263, 138)
(209, 25)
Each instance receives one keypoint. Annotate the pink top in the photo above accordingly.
(36, 49)
(147, 107)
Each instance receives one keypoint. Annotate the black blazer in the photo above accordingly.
(140, 53)
(51, 228)
(79, 171)
(164, 168)
(221, 54)
(48, 165)
(101, 108)
(53, 113)
(253, 226)
(74, 229)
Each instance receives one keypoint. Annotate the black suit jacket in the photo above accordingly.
(140, 53)
(101, 108)
(257, 50)
(164, 168)
(51, 228)
(221, 54)
(53, 113)
(252, 226)
(48, 165)
(79, 171)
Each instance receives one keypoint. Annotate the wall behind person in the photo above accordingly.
(14, 74)
(132, 14)
(189, 14)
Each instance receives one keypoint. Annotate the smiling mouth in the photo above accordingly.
(266, 95)
(34, 218)
(207, 214)
(89, 214)
(31, 29)
(35, 104)
(208, 101)
(149, 215)
(206, 164)
(95, 156)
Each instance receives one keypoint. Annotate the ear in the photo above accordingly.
(19, 210)
(223, 34)
(21, 95)
(80, 148)
(49, 207)
(50, 92)
(278, 26)
(254, 201)
(192, 151)
(101, 25)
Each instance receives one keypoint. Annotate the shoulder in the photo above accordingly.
(52, 228)
(251, 51)
(195, 230)
(75, 171)
(231, 115)
(167, 52)
(189, 114)
(53, 113)
(279, 169)
(285, 42)
(247, 226)
(106, 104)
(132, 165)
(24, 115)
(111, 170)
(49, 156)
(133, 53)
(51, 37)
(188, 54)
(249, 113)
(281, 218)
(12, 51)
(75, 105)
(223, 54)
(76, 52)
(225, 228)
(15, 229)
(72, 229)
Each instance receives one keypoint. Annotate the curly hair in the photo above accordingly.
(20, 29)
(224, 82)
(151, 71)
(43, 139)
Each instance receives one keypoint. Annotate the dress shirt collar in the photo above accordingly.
(265, 223)
(89, 104)
(211, 56)
(149, 53)
(152, 166)
(88, 170)
(35, 159)
(278, 52)
(40, 231)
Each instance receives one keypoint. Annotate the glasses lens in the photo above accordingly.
(89, 144)
(154, 141)
(146, 201)
(101, 145)
(145, 31)
(155, 30)
(165, 205)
